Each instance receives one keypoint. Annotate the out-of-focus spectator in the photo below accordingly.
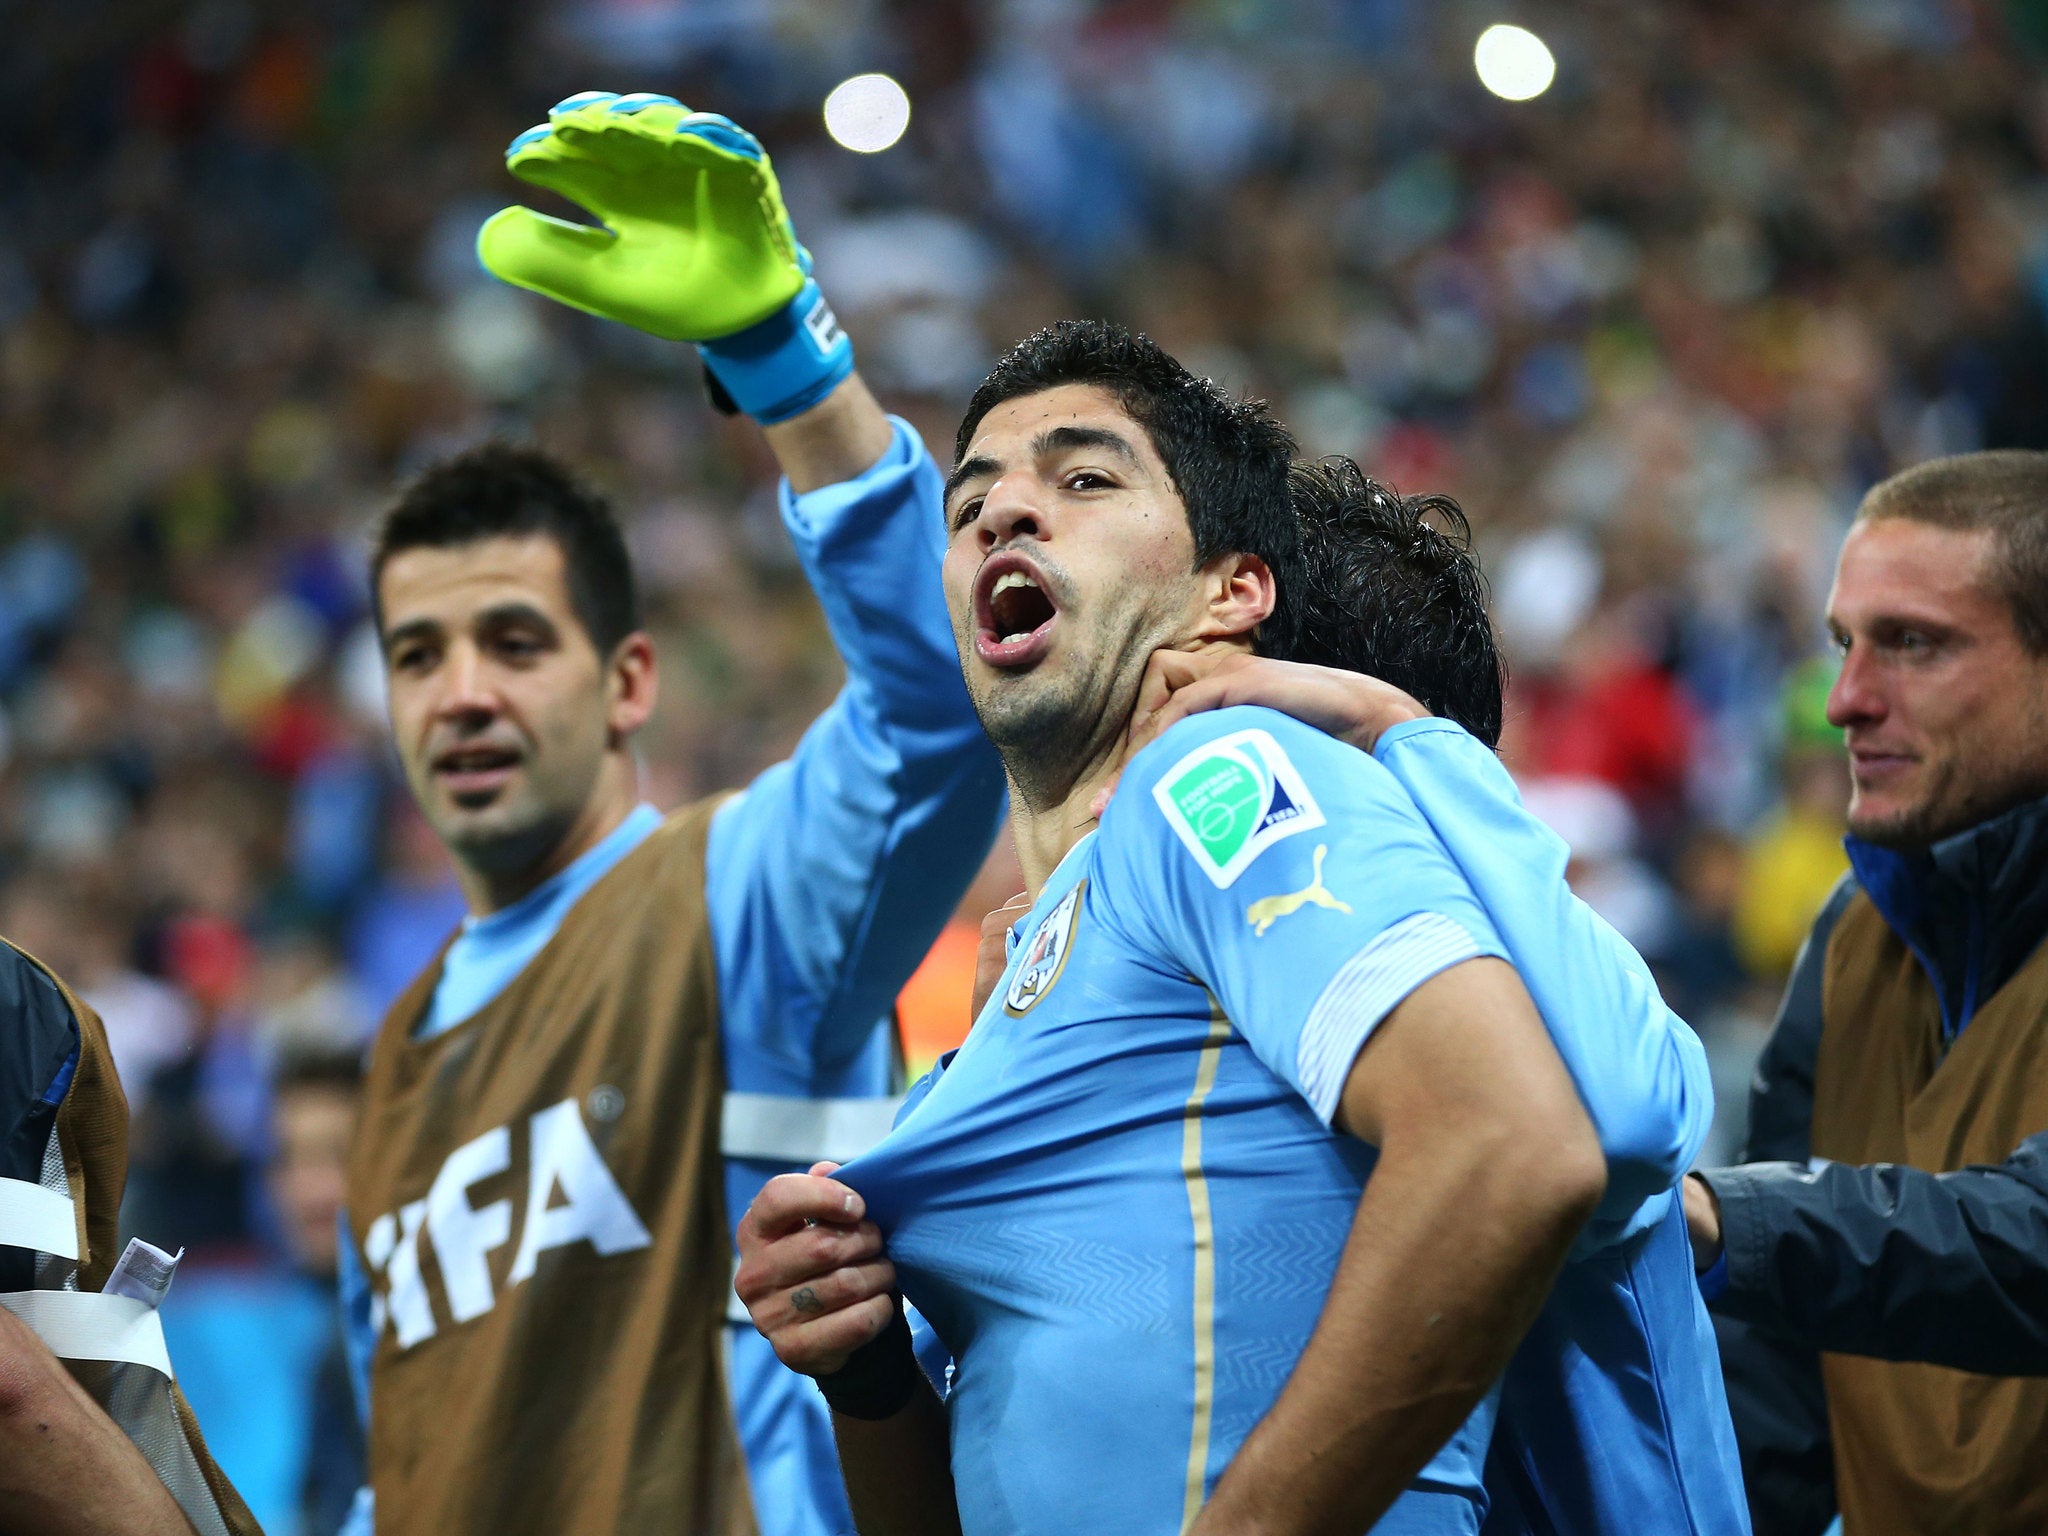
(259, 1343)
(1794, 859)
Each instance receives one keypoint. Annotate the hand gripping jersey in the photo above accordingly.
(1614, 1419)
(63, 1163)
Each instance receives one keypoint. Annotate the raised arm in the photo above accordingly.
(830, 877)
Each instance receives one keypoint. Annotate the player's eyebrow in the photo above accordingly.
(1059, 439)
(1052, 440)
(411, 629)
(970, 469)
(499, 615)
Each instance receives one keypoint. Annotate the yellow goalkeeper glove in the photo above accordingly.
(695, 244)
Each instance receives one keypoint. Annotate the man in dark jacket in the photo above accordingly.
(1914, 1033)
(1949, 1268)
(95, 1438)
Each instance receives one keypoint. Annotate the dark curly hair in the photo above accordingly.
(1228, 457)
(1388, 585)
(503, 489)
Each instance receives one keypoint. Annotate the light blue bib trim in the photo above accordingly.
(491, 950)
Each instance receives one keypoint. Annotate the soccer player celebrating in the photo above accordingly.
(1613, 1417)
(642, 1018)
(1135, 1206)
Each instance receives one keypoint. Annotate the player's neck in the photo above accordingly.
(1046, 833)
(611, 800)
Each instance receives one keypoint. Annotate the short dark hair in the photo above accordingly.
(317, 1066)
(2004, 490)
(1228, 457)
(500, 489)
(1389, 586)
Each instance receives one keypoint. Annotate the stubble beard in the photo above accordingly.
(505, 838)
(1950, 804)
(1052, 730)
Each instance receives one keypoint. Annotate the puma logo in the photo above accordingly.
(1268, 910)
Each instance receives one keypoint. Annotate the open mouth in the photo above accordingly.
(475, 772)
(1013, 612)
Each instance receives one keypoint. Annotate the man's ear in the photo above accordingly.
(1241, 595)
(630, 686)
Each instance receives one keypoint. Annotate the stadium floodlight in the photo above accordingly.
(867, 113)
(1513, 62)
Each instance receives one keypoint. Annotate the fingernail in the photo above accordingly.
(582, 99)
(532, 135)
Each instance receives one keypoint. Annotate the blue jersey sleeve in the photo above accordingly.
(829, 877)
(1640, 1070)
(1294, 878)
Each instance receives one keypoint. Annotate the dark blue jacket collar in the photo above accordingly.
(1972, 908)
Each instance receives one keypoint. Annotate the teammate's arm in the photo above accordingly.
(1488, 1167)
(820, 1289)
(831, 875)
(66, 1469)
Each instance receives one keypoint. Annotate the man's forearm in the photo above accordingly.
(66, 1469)
(1897, 1263)
(838, 439)
(898, 1470)
(1456, 1243)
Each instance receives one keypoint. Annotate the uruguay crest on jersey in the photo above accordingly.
(1046, 954)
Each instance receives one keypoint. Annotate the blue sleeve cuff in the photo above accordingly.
(789, 362)
(808, 515)
(1714, 1280)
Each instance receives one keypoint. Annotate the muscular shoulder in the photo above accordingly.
(1229, 784)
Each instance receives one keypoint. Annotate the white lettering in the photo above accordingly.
(560, 1152)
(464, 1235)
(563, 1162)
(412, 1313)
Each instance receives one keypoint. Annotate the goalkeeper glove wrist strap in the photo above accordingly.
(879, 1379)
(786, 364)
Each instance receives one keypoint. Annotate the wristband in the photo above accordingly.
(786, 364)
(879, 1379)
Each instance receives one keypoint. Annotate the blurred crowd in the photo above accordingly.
(1657, 330)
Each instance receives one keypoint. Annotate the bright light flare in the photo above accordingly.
(1513, 62)
(867, 113)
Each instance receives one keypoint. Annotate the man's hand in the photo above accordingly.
(1702, 1222)
(812, 1272)
(1347, 705)
(993, 958)
(695, 242)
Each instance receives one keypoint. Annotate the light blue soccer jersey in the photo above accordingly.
(1614, 1419)
(1120, 1203)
